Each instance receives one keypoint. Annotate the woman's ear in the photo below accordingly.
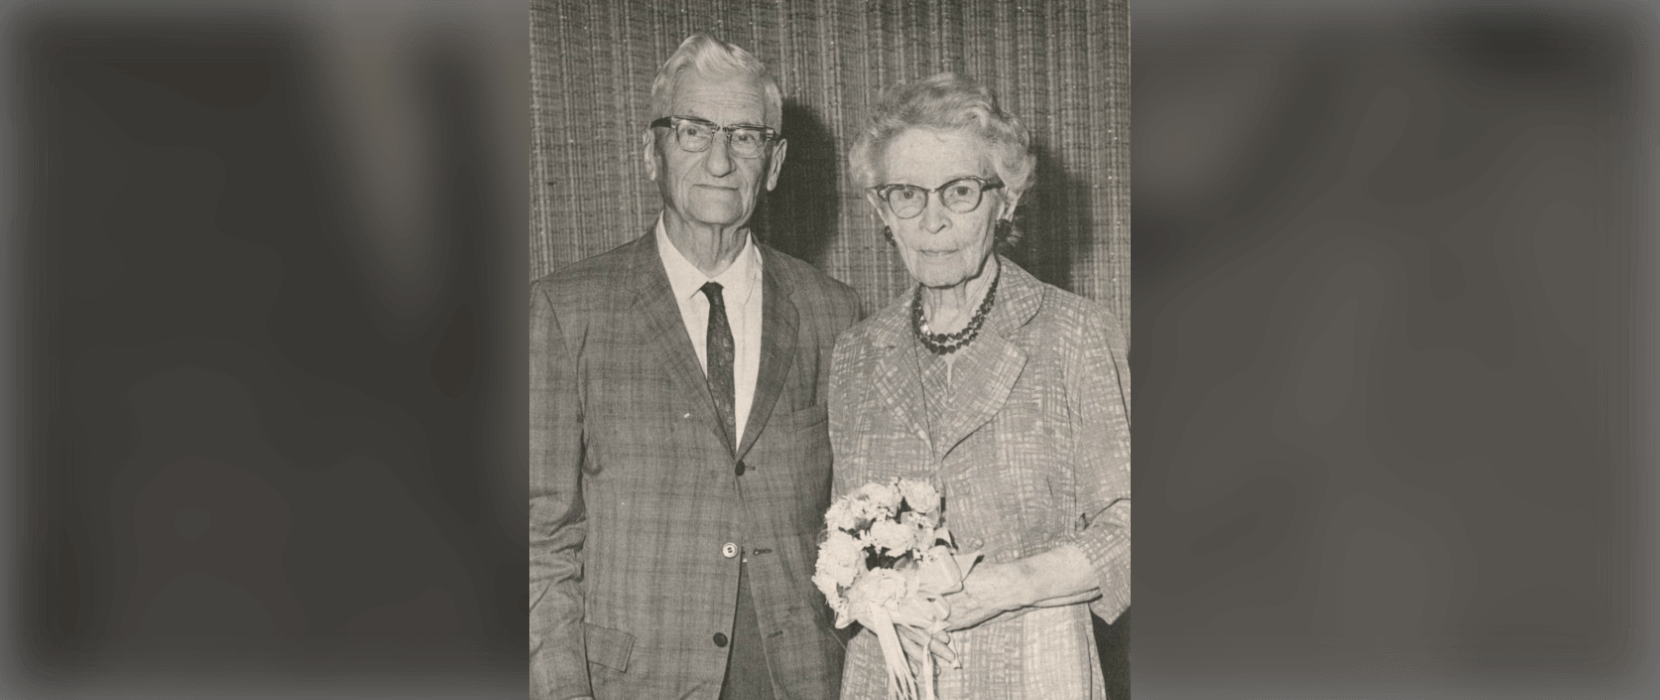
(1010, 201)
(882, 211)
(876, 204)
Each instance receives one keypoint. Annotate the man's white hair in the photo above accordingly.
(712, 57)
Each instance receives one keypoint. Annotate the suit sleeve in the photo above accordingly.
(844, 359)
(856, 304)
(558, 523)
(1101, 421)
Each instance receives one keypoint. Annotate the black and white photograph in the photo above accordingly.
(784, 349)
(829, 350)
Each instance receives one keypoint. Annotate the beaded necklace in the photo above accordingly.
(946, 343)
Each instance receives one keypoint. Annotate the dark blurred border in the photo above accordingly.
(1394, 320)
(262, 279)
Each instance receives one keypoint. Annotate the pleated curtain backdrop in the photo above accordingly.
(1063, 67)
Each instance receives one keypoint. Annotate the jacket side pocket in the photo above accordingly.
(608, 647)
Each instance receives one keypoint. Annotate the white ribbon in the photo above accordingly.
(901, 684)
(923, 612)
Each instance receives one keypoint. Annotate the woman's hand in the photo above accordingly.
(1061, 576)
(988, 591)
(916, 642)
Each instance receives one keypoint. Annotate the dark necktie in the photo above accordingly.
(746, 671)
(718, 354)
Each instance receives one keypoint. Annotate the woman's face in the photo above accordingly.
(941, 248)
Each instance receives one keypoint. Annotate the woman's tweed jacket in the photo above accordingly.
(1030, 445)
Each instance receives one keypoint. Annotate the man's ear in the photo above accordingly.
(777, 163)
(649, 143)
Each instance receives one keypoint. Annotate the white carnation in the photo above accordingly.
(840, 516)
(920, 495)
(892, 537)
(866, 543)
(861, 511)
(832, 590)
(826, 583)
(884, 497)
(923, 525)
(841, 558)
(878, 588)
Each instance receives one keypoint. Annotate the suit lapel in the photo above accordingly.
(985, 372)
(779, 323)
(982, 377)
(897, 382)
(658, 310)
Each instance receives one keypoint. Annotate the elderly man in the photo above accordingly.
(680, 459)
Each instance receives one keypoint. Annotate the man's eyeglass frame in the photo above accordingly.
(672, 123)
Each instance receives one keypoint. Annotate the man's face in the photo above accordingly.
(713, 187)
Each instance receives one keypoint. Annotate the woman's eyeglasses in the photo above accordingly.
(961, 195)
(694, 135)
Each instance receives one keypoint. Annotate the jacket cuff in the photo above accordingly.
(1108, 550)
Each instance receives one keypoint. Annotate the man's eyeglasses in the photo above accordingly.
(961, 195)
(694, 135)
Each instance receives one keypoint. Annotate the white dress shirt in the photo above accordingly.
(741, 291)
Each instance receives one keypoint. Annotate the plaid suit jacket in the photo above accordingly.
(634, 491)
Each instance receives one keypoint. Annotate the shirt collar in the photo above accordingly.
(737, 281)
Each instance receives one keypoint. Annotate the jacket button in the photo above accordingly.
(729, 550)
(741, 468)
(720, 639)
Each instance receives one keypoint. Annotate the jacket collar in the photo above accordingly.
(1019, 296)
(985, 371)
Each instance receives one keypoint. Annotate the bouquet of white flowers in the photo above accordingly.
(888, 562)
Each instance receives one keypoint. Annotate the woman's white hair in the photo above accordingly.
(945, 102)
(712, 57)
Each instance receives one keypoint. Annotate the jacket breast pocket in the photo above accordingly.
(810, 432)
(608, 647)
(811, 417)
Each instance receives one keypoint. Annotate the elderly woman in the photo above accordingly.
(1011, 395)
